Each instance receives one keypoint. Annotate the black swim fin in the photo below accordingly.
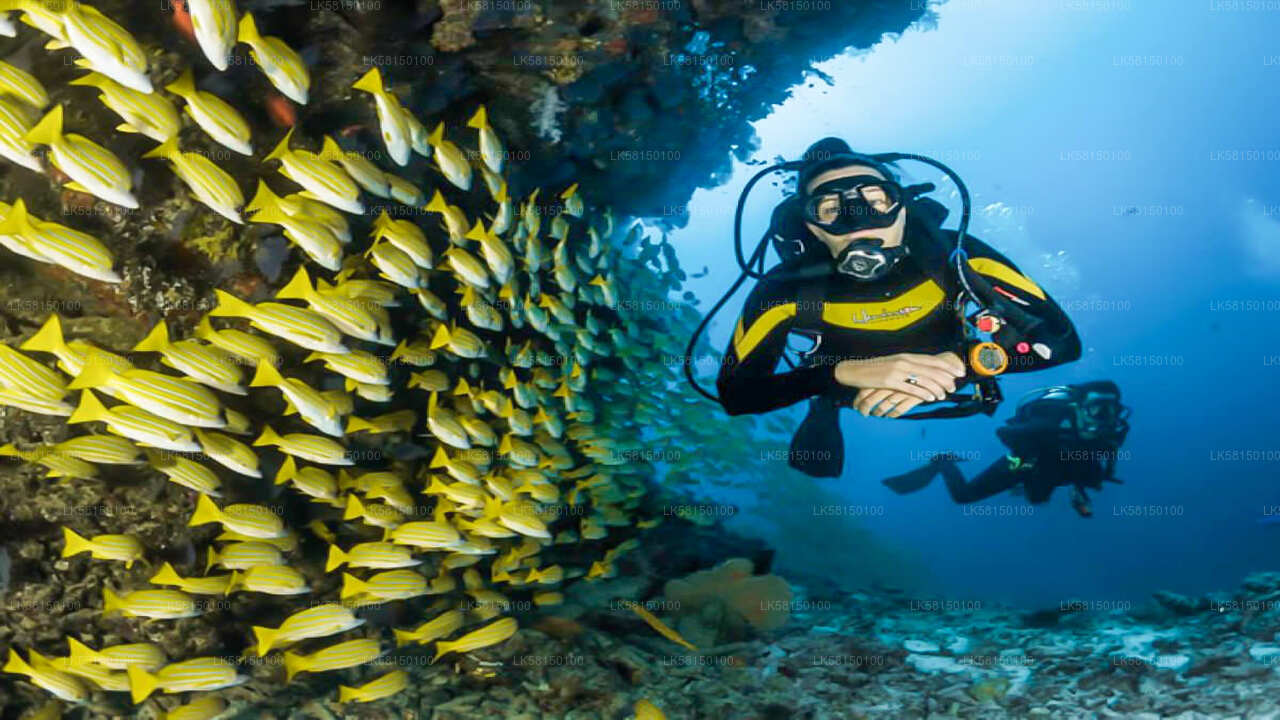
(919, 478)
(817, 448)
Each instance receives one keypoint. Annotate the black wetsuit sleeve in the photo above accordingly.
(1054, 331)
(749, 381)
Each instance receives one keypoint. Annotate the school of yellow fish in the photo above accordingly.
(534, 386)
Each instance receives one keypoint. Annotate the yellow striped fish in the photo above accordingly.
(107, 48)
(385, 586)
(403, 191)
(203, 363)
(138, 425)
(241, 344)
(406, 236)
(491, 150)
(355, 317)
(19, 372)
(379, 688)
(396, 131)
(255, 521)
(58, 465)
(450, 161)
(16, 120)
(310, 404)
(101, 450)
(49, 242)
(195, 675)
(375, 514)
(203, 708)
(316, 448)
(446, 624)
(497, 256)
(215, 116)
(147, 656)
(229, 453)
(357, 365)
(467, 268)
(315, 238)
(39, 404)
(212, 186)
(489, 635)
(361, 169)
(207, 585)
(323, 180)
(287, 542)
(244, 555)
(92, 168)
(300, 326)
(100, 677)
(156, 604)
(335, 657)
(398, 421)
(176, 399)
(23, 86)
(425, 534)
(124, 548)
(214, 24)
(149, 114)
(282, 65)
(62, 685)
(376, 555)
(269, 580)
(312, 482)
(315, 622)
(454, 220)
(396, 265)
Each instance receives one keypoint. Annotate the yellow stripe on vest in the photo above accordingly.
(745, 342)
(892, 314)
(1006, 274)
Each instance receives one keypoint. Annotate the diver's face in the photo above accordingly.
(889, 236)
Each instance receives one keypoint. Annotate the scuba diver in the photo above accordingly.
(884, 294)
(1066, 435)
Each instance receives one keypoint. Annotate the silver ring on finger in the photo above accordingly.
(913, 379)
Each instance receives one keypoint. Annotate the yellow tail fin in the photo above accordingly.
(266, 638)
(299, 288)
(268, 437)
(403, 637)
(80, 653)
(352, 586)
(89, 409)
(355, 508)
(370, 82)
(248, 31)
(156, 341)
(18, 221)
(48, 130)
(168, 576)
(184, 86)
(110, 601)
(282, 148)
(266, 207)
(347, 694)
(206, 512)
(48, 338)
(293, 664)
(97, 372)
(266, 375)
(355, 425)
(167, 150)
(75, 544)
(437, 135)
(288, 470)
(437, 203)
(211, 560)
(17, 665)
(141, 683)
(337, 558)
(480, 120)
(230, 306)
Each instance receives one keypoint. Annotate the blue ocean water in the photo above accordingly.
(1124, 154)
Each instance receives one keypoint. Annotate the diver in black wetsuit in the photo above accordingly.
(1064, 436)
(872, 284)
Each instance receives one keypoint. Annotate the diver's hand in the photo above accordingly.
(927, 377)
(884, 403)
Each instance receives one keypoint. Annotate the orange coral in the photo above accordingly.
(764, 601)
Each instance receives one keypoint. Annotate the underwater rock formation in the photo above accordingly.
(722, 604)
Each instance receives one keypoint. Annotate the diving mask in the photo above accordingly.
(850, 204)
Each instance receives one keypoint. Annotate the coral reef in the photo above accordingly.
(723, 603)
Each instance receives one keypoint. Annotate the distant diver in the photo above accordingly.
(1062, 436)
(900, 311)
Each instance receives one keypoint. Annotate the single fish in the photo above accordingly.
(335, 657)
(383, 686)
(60, 245)
(282, 65)
(149, 114)
(487, 636)
(198, 674)
(396, 131)
(212, 186)
(218, 118)
(214, 25)
(123, 548)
